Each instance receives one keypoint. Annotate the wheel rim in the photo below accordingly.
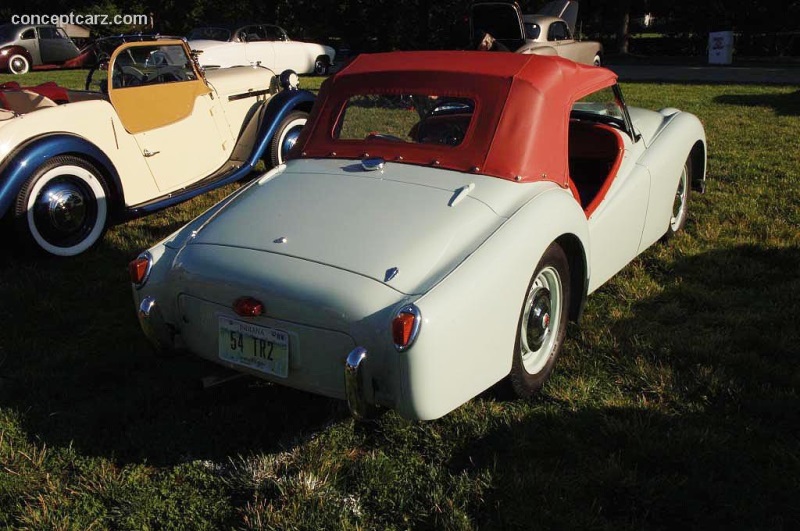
(679, 204)
(541, 320)
(66, 210)
(597, 61)
(18, 65)
(289, 138)
(320, 67)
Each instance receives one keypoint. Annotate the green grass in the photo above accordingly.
(674, 405)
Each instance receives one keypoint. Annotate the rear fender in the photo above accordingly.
(681, 139)
(23, 162)
(466, 341)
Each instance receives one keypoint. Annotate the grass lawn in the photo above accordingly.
(674, 406)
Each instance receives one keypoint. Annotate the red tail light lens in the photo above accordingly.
(248, 307)
(139, 269)
(405, 327)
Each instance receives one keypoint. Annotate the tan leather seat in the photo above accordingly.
(24, 101)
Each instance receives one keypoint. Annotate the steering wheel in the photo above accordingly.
(128, 76)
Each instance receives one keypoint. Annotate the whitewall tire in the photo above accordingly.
(63, 209)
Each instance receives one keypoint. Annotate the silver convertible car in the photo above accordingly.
(439, 220)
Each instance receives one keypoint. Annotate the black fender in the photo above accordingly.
(23, 162)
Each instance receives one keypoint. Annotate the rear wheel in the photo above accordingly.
(62, 210)
(542, 324)
(18, 64)
(286, 136)
(680, 204)
(322, 65)
(597, 61)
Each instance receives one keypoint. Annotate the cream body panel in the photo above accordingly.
(466, 341)
(96, 122)
(617, 223)
(188, 150)
(668, 151)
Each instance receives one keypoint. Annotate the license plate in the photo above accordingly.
(258, 347)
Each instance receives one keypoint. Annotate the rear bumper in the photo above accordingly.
(160, 334)
(354, 387)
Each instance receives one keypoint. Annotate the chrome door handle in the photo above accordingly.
(148, 153)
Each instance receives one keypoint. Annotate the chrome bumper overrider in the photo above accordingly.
(354, 384)
(153, 325)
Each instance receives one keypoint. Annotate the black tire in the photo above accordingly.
(680, 205)
(285, 136)
(322, 65)
(18, 64)
(63, 209)
(539, 339)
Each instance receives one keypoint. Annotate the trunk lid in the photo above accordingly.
(390, 226)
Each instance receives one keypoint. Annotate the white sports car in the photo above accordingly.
(159, 132)
(263, 44)
(441, 218)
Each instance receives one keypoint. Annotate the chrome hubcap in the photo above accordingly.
(538, 325)
(541, 320)
(289, 140)
(679, 205)
(63, 211)
(17, 65)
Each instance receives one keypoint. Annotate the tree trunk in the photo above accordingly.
(622, 33)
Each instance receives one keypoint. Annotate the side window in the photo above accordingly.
(48, 33)
(274, 33)
(602, 106)
(61, 34)
(151, 65)
(558, 32)
(28, 34)
(254, 34)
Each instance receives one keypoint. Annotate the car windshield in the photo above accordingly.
(532, 30)
(150, 65)
(409, 118)
(211, 34)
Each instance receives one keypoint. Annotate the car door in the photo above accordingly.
(286, 53)
(258, 49)
(617, 215)
(55, 46)
(560, 38)
(164, 102)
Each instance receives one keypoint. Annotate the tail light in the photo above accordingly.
(405, 327)
(248, 307)
(139, 269)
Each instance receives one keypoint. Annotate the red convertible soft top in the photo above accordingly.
(520, 123)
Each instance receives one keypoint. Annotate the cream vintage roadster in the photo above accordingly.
(441, 218)
(159, 131)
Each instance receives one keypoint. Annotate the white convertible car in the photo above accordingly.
(441, 218)
(157, 133)
(263, 44)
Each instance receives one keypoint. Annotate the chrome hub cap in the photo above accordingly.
(289, 140)
(66, 208)
(17, 65)
(679, 205)
(541, 320)
(64, 211)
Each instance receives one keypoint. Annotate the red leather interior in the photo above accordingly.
(595, 153)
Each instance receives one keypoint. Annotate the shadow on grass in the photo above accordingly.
(77, 370)
(782, 104)
(706, 435)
